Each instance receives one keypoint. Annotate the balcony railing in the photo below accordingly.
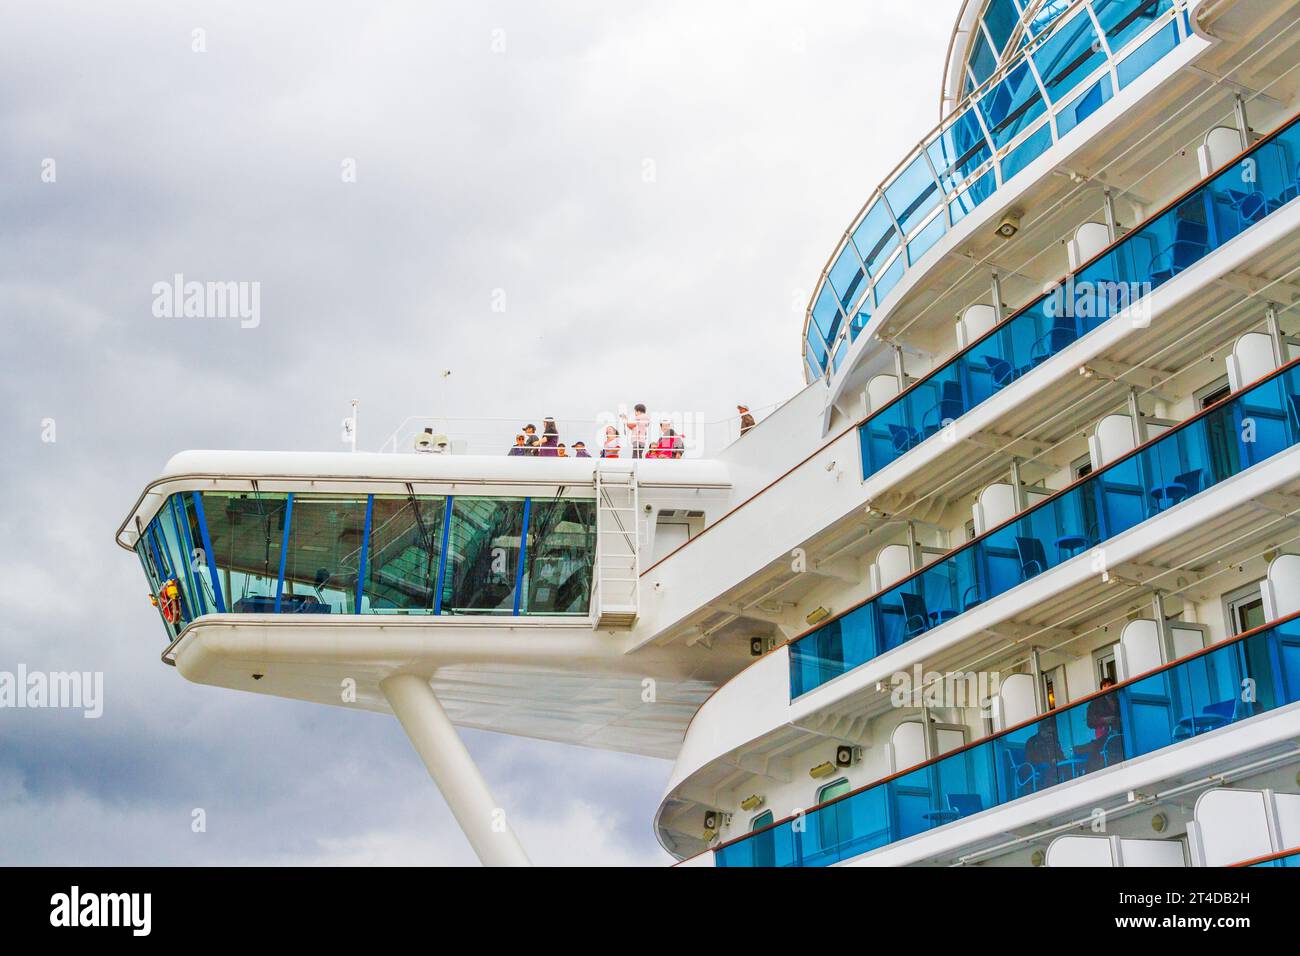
(1287, 859)
(1258, 184)
(1248, 675)
(1240, 431)
(1059, 79)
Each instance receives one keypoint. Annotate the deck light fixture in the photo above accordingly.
(822, 770)
(817, 615)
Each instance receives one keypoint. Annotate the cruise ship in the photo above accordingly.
(1013, 580)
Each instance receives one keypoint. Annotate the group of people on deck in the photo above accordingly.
(668, 444)
(547, 444)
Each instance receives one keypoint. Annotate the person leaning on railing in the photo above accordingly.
(612, 445)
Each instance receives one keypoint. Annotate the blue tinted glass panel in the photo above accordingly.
(1027, 152)
(406, 537)
(1069, 56)
(1047, 15)
(926, 238)
(847, 276)
(1012, 105)
(1147, 55)
(876, 237)
(959, 151)
(861, 317)
(483, 553)
(1123, 20)
(982, 61)
(816, 348)
(913, 193)
(885, 284)
(557, 572)
(1084, 105)
(839, 355)
(826, 313)
(978, 191)
(1001, 18)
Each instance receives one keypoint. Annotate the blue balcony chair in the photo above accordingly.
(903, 438)
(1062, 333)
(1033, 559)
(965, 804)
(971, 597)
(950, 407)
(1024, 775)
(1002, 371)
(959, 805)
(1191, 243)
(917, 616)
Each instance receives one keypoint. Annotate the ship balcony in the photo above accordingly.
(1041, 94)
(1072, 526)
(1114, 287)
(1203, 501)
(1215, 694)
(1070, 128)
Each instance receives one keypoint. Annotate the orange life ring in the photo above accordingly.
(169, 601)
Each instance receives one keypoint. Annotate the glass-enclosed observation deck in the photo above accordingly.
(1059, 64)
(242, 552)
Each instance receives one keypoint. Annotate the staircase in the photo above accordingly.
(618, 553)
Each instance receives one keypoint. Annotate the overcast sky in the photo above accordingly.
(650, 188)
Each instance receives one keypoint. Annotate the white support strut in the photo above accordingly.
(453, 770)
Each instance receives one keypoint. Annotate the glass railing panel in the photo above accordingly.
(1123, 20)
(1069, 57)
(1160, 249)
(960, 150)
(847, 276)
(913, 193)
(974, 194)
(1046, 16)
(924, 240)
(1029, 150)
(1001, 18)
(815, 349)
(1245, 429)
(826, 314)
(1284, 861)
(876, 238)
(1084, 105)
(1200, 694)
(1012, 105)
(1147, 55)
(983, 61)
(1014, 108)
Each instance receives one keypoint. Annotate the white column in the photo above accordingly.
(453, 770)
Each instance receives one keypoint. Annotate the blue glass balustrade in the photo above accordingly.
(255, 553)
(1281, 861)
(1197, 454)
(1240, 678)
(1220, 209)
(1059, 67)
